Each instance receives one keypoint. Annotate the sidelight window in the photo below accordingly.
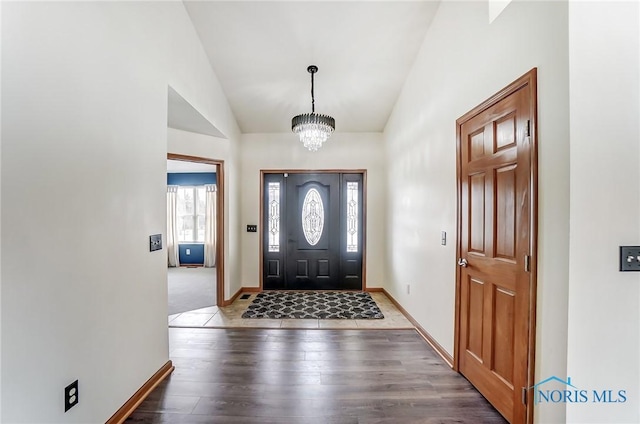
(352, 216)
(274, 217)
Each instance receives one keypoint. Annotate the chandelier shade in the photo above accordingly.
(312, 128)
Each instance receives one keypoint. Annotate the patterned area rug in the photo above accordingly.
(313, 305)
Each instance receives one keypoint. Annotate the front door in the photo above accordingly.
(312, 231)
(496, 278)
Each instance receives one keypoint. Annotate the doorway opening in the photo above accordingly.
(195, 233)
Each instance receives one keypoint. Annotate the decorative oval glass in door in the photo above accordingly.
(312, 217)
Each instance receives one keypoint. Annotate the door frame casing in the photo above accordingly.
(263, 172)
(220, 218)
(527, 81)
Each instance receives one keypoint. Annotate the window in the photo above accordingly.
(274, 217)
(312, 216)
(352, 216)
(191, 214)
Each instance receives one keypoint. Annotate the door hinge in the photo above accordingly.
(528, 127)
(527, 263)
(524, 396)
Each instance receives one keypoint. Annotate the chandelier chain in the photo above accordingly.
(313, 98)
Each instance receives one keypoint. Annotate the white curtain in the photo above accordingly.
(210, 225)
(172, 226)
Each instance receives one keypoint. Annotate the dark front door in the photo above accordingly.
(312, 231)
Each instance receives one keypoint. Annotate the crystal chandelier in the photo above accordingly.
(312, 128)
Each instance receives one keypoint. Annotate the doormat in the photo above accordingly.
(313, 305)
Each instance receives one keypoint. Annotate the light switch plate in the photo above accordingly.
(629, 258)
(155, 242)
(252, 228)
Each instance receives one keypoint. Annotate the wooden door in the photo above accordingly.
(313, 231)
(495, 309)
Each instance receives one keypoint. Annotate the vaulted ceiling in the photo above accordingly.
(260, 52)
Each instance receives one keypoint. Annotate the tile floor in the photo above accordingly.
(231, 316)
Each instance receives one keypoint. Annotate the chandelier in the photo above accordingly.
(312, 128)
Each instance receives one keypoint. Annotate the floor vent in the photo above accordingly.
(245, 296)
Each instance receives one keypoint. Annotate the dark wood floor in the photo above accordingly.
(310, 376)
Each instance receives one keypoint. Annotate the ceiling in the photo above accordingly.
(260, 52)
(182, 116)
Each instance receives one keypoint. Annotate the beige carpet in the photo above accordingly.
(191, 288)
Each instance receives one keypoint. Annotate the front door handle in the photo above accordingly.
(462, 262)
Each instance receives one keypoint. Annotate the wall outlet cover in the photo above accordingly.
(70, 396)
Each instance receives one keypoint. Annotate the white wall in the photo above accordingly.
(604, 319)
(188, 143)
(463, 61)
(83, 173)
(0, 221)
(285, 152)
